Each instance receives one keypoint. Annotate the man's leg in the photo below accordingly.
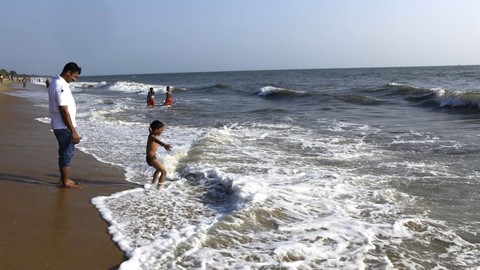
(65, 154)
(65, 180)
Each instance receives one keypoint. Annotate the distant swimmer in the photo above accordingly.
(151, 97)
(168, 98)
(156, 129)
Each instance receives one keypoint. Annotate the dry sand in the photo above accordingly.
(41, 225)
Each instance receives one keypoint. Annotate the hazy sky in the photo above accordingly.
(155, 36)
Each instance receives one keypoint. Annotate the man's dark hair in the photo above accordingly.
(72, 67)
(156, 125)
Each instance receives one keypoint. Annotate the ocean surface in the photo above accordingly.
(300, 169)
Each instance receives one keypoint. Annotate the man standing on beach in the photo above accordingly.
(62, 114)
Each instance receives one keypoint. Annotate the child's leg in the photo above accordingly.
(155, 176)
(159, 170)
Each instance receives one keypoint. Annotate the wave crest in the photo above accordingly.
(437, 97)
(272, 91)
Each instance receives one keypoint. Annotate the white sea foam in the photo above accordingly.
(45, 120)
(135, 87)
(270, 90)
(87, 85)
(272, 193)
(455, 98)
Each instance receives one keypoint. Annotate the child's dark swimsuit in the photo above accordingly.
(150, 159)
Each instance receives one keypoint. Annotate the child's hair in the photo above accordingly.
(156, 125)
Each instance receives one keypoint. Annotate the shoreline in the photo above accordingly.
(44, 226)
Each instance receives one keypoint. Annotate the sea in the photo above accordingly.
(365, 168)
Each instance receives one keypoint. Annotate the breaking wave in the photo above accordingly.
(437, 97)
(278, 92)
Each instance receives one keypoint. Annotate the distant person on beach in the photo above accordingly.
(24, 81)
(151, 97)
(156, 129)
(1, 78)
(168, 98)
(47, 83)
(63, 110)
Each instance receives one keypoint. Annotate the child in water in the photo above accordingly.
(156, 129)
(151, 97)
(168, 97)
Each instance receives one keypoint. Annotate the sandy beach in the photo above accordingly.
(41, 225)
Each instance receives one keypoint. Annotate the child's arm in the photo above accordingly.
(164, 145)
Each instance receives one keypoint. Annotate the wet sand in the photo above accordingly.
(43, 226)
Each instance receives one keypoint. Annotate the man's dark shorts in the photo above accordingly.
(65, 146)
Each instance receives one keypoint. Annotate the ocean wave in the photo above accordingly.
(272, 91)
(221, 190)
(212, 87)
(221, 85)
(360, 100)
(401, 88)
(446, 98)
(135, 87)
(437, 97)
(81, 86)
(179, 89)
(120, 86)
(224, 190)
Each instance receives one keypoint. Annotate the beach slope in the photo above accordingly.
(41, 225)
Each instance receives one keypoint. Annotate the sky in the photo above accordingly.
(114, 37)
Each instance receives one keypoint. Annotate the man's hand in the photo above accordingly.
(75, 137)
(68, 122)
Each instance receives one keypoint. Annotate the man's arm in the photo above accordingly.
(68, 121)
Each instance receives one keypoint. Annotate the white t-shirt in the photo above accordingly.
(59, 94)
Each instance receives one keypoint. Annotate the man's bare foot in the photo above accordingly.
(69, 184)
